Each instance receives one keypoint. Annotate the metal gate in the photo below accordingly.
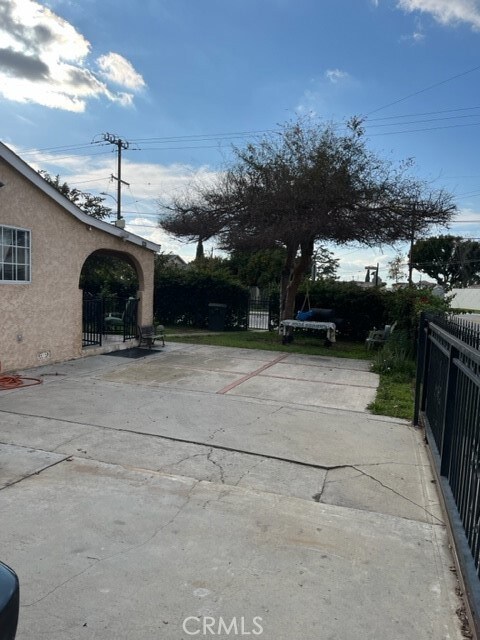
(120, 317)
(106, 318)
(92, 319)
(261, 312)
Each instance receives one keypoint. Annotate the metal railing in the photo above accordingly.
(447, 403)
(109, 316)
(260, 312)
(92, 322)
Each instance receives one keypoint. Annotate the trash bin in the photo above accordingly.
(216, 316)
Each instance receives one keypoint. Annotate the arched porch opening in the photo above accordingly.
(112, 284)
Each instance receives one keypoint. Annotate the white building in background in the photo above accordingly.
(467, 298)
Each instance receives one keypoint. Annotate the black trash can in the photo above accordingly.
(216, 316)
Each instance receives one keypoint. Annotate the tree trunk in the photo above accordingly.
(297, 273)
(287, 269)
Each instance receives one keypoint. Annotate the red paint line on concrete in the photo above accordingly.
(232, 385)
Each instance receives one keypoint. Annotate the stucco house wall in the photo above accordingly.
(41, 321)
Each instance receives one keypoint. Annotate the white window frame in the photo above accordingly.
(15, 263)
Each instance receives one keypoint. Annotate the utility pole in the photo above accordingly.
(120, 144)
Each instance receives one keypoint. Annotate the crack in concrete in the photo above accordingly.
(118, 553)
(263, 456)
(169, 438)
(244, 475)
(385, 486)
(217, 464)
(34, 473)
(62, 444)
(178, 462)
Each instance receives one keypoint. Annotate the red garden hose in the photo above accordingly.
(14, 381)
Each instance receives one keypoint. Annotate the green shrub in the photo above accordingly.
(405, 305)
(365, 308)
(182, 297)
(395, 358)
(362, 308)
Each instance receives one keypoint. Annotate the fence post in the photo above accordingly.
(448, 413)
(422, 368)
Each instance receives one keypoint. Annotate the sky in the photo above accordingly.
(183, 80)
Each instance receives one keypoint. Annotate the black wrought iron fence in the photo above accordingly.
(121, 317)
(92, 321)
(447, 403)
(109, 317)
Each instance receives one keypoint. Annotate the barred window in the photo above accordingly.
(14, 254)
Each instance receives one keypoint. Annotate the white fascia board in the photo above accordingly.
(36, 179)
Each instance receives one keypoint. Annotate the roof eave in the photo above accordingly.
(36, 179)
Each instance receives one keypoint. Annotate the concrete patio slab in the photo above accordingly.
(306, 393)
(316, 435)
(122, 554)
(166, 501)
(197, 461)
(322, 373)
(19, 462)
(215, 361)
(325, 361)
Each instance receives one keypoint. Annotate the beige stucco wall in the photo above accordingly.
(41, 322)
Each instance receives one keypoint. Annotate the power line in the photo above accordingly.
(64, 147)
(450, 126)
(215, 146)
(432, 86)
(424, 113)
(396, 124)
(204, 136)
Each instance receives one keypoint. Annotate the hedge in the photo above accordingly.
(182, 297)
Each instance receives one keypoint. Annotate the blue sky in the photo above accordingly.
(182, 80)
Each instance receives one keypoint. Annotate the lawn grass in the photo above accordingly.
(271, 341)
(394, 398)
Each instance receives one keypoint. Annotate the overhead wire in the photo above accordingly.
(425, 89)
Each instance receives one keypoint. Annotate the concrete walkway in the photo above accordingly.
(216, 484)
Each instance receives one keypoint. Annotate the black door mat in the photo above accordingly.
(132, 353)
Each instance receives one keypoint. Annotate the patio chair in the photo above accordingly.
(114, 321)
(378, 337)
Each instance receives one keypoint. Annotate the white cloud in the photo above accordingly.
(44, 60)
(446, 11)
(149, 184)
(418, 34)
(336, 75)
(322, 92)
(117, 69)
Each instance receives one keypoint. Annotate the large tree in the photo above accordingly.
(87, 202)
(304, 185)
(451, 260)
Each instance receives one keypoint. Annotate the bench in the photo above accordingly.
(147, 334)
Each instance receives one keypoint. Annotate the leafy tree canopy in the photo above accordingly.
(87, 202)
(304, 185)
(451, 260)
(396, 267)
(107, 275)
